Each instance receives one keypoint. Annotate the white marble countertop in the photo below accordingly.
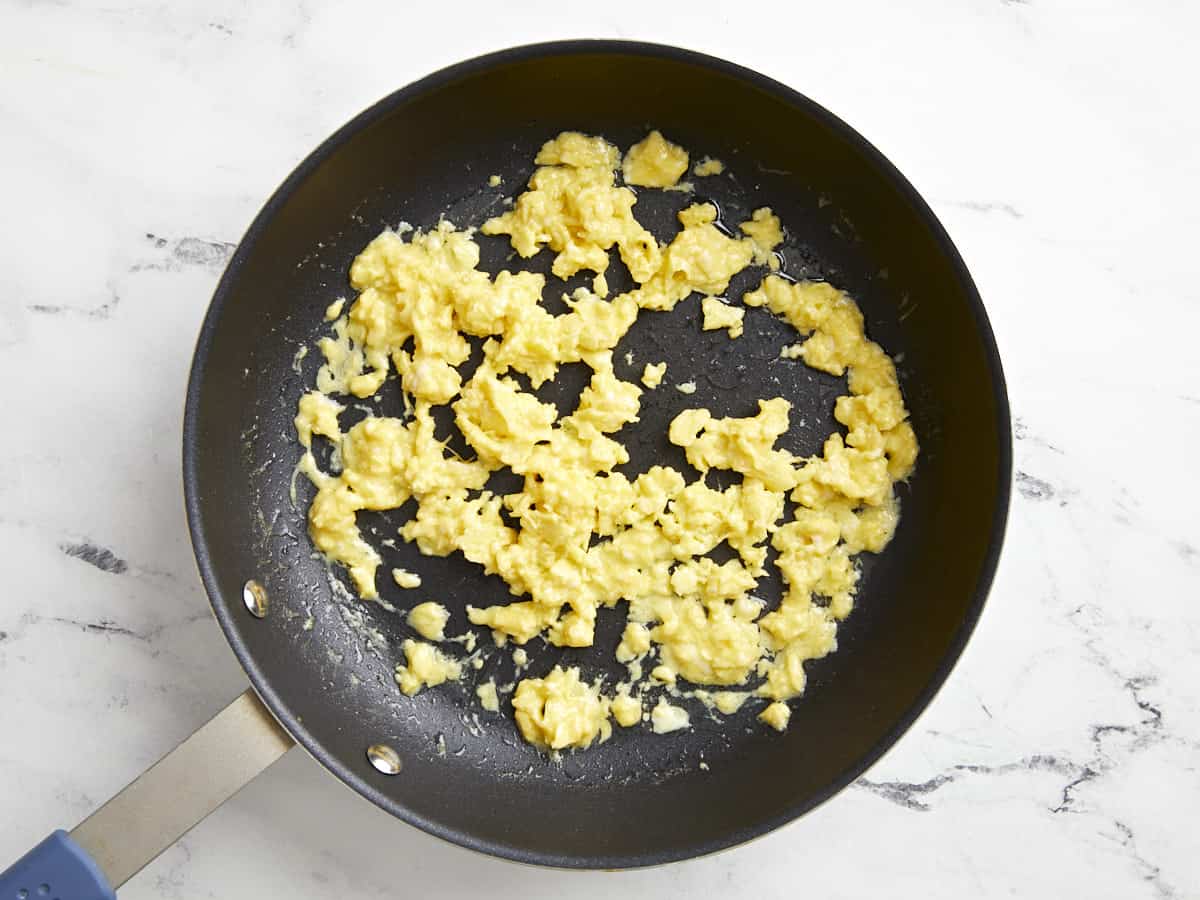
(1056, 142)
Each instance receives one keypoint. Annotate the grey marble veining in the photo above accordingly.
(1057, 144)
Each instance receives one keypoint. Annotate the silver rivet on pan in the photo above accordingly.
(254, 595)
(384, 758)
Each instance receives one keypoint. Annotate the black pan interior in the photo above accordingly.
(323, 662)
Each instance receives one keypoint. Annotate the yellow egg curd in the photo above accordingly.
(429, 620)
(655, 162)
(580, 535)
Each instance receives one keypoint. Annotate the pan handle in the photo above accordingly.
(155, 810)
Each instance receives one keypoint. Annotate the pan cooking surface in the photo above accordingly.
(324, 660)
(730, 377)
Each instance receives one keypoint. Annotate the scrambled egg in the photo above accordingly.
(574, 207)
(652, 374)
(626, 709)
(429, 620)
(579, 535)
(561, 711)
(776, 715)
(654, 162)
(765, 230)
(718, 315)
(406, 579)
(665, 718)
(425, 666)
(489, 699)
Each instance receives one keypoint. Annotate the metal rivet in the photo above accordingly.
(384, 758)
(254, 595)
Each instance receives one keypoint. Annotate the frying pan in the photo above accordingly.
(321, 661)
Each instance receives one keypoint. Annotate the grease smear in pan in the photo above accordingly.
(581, 535)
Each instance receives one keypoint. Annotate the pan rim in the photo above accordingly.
(222, 610)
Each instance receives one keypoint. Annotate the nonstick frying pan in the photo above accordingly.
(321, 661)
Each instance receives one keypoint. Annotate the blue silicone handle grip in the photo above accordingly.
(56, 869)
